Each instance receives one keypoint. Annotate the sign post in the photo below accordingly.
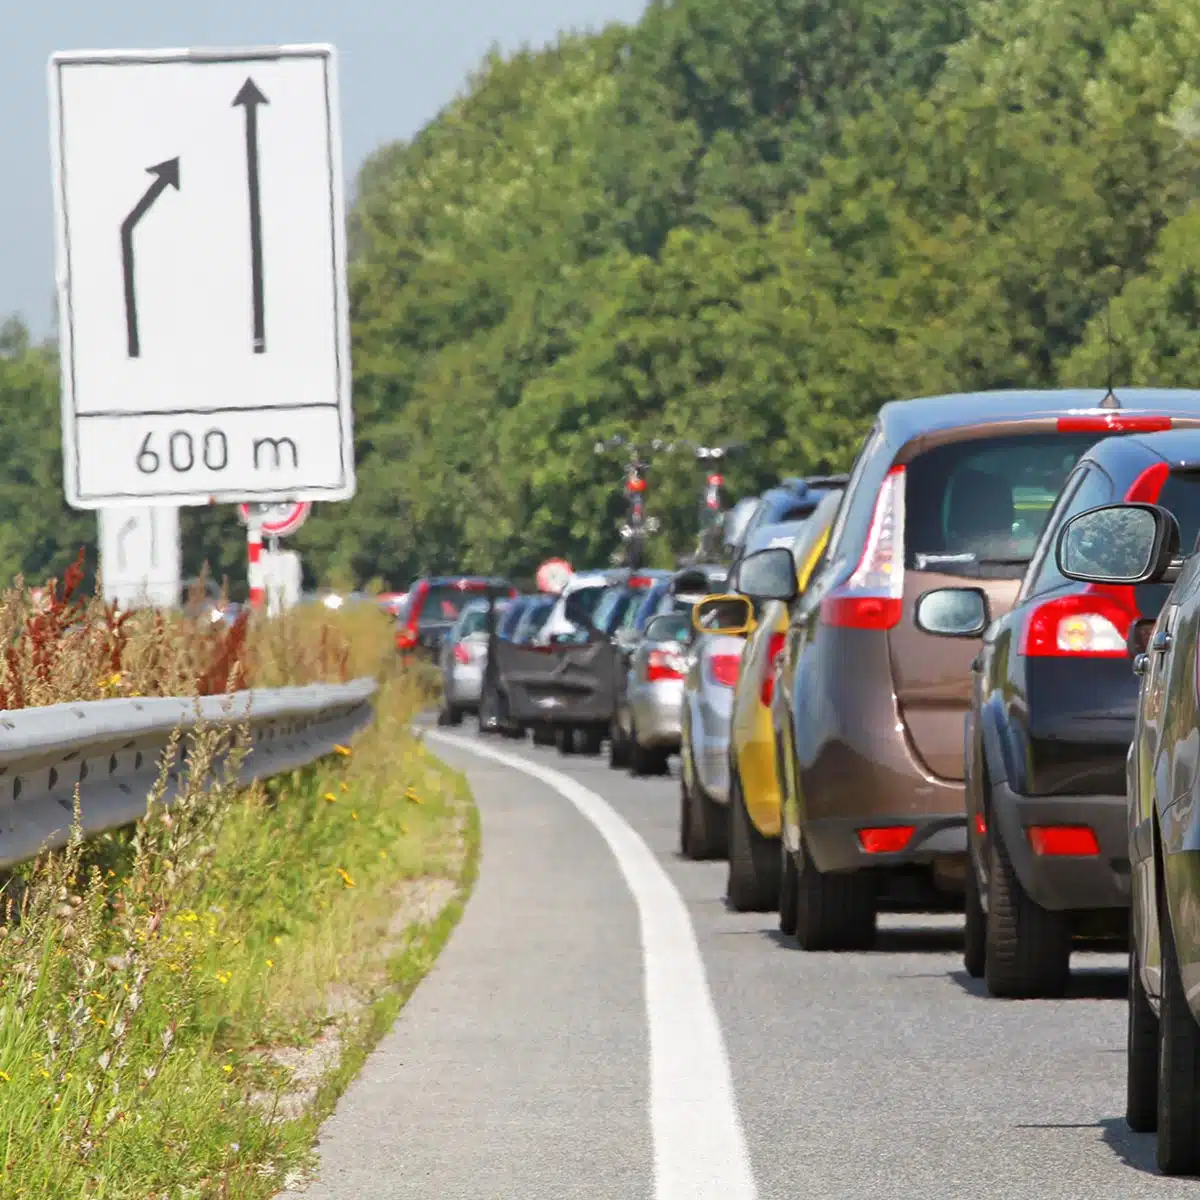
(201, 256)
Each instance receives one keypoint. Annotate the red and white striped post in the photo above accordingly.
(258, 591)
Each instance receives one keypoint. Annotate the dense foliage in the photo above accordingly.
(752, 221)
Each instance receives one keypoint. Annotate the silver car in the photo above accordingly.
(463, 658)
(648, 720)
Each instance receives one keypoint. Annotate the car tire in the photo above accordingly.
(834, 911)
(974, 925)
(646, 760)
(789, 884)
(564, 739)
(1141, 1075)
(1028, 946)
(754, 866)
(705, 825)
(618, 746)
(591, 740)
(543, 735)
(1178, 1148)
(449, 714)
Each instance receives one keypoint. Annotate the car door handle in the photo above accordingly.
(1140, 663)
(1161, 642)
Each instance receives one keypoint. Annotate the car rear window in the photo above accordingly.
(474, 621)
(444, 602)
(977, 507)
(533, 617)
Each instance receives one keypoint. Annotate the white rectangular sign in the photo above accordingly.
(140, 559)
(201, 276)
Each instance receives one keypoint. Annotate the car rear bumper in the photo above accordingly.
(655, 708)
(835, 845)
(466, 684)
(1063, 883)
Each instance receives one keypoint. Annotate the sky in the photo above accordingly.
(399, 65)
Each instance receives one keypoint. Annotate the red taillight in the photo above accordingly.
(723, 669)
(774, 646)
(1113, 423)
(662, 665)
(873, 597)
(1093, 624)
(406, 638)
(1071, 840)
(889, 839)
(636, 485)
(640, 581)
(980, 825)
(460, 654)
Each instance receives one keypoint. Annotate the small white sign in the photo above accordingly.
(140, 559)
(282, 577)
(201, 276)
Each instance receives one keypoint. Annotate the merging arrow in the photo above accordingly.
(249, 98)
(166, 174)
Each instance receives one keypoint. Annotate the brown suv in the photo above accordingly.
(868, 709)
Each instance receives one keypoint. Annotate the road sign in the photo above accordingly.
(201, 276)
(282, 577)
(277, 520)
(140, 560)
(553, 574)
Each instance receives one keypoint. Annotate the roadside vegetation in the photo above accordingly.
(181, 1003)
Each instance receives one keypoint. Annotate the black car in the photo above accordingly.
(1050, 725)
(1143, 544)
(433, 605)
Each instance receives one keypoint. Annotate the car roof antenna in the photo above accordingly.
(1110, 400)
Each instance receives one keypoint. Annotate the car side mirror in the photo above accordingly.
(952, 612)
(1119, 544)
(730, 615)
(768, 575)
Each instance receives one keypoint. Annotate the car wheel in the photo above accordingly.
(1178, 1067)
(789, 883)
(646, 760)
(753, 862)
(449, 714)
(564, 739)
(1141, 1076)
(592, 740)
(834, 911)
(974, 926)
(705, 824)
(618, 746)
(543, 735)
(1028, 946)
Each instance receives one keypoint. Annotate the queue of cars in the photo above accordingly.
(963, 677)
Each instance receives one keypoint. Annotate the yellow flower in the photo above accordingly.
(344, 786)
(278, 941)
(383, 854)
(354, 816)
(346, 878)
(6, 1076)
(223, 977)
(344, 751)
(44, 1073)
(329, 798)
(270, 962)
(227, 1069)
(412, 795)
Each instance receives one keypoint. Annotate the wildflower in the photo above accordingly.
(227, 1069)
(6, 1076)
(278, 941)
(383, 854)
(354, 816)
(344, 786)
(346, 878)
(329, 798)
(270, 962)
(412, 795)
(344, 751)
(44, 1073)
(223, 977)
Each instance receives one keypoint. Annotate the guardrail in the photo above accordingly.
(113, 750)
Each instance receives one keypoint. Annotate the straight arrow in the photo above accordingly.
(166, 174)
(249, 98)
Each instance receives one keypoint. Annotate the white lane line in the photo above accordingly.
(700, 1150)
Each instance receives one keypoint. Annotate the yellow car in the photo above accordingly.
(754, 799)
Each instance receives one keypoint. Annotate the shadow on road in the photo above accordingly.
(887, 941)
(1135, 1150)
(1091, 983)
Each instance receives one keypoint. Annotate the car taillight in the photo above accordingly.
(888, 839)
(774, 646)
(1071, 840)
(407, 637)
(640, 581)
(873, 597)
(1113, 423)
(1092, 624)
(461, 654)
(723, 669)
(662, 665)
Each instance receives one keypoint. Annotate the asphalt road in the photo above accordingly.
(601, 1025)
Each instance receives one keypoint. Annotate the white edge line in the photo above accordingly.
(700, 1150)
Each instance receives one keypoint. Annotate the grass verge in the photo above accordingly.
(180, 1006)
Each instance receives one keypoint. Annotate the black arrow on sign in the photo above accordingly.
(166, 175)
(249, 98)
